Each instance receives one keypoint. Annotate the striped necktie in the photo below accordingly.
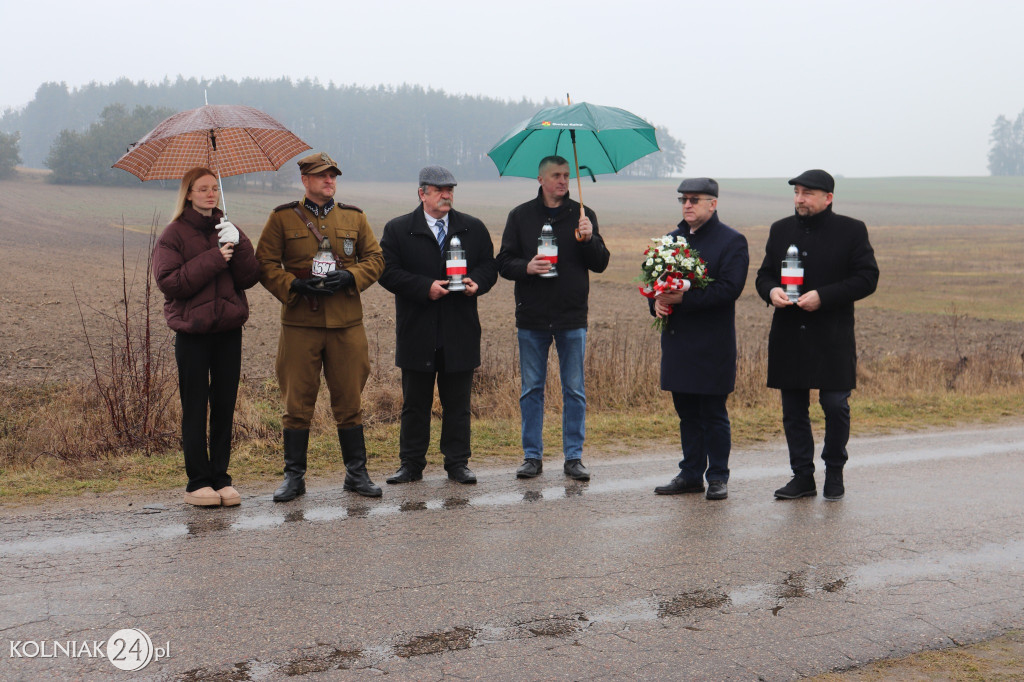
(440, 234)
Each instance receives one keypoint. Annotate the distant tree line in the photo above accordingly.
(375, 133)
(9, 156)
(1006, 156)
(85, 158)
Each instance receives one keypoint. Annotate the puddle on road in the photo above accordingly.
(793, 586)
(436, 642)
(326, 514)
(335, 659)
(209, 524)
(699, 604)
(685, 604)
(554, 626)
(84, 542)
(258, 522)
(835, 585)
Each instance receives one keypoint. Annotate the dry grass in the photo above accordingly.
(56, 438)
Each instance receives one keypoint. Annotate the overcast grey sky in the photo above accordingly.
(860, 88)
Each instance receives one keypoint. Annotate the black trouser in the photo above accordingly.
(209, 366)
(797, 423)
(453, 388)
(705, 435)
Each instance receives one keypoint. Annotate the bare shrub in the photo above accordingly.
(131, 375)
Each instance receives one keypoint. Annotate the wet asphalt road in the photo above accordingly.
(539, 579)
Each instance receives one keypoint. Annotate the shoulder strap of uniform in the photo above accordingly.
(283, 207)
(348, 206)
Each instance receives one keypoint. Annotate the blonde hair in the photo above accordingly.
(187, 180)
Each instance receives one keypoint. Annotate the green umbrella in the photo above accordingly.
(606, 140)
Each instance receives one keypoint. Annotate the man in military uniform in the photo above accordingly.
(321, 319)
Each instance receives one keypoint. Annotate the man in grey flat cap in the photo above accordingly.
(698, 347)
(812, 344)
(437, 330)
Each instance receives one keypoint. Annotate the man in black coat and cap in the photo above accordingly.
(811, 344)
(437, 330)
(698, 347)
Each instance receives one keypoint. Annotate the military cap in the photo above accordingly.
(815, 179)
(438, 176)
(317, 163)
(698, 186)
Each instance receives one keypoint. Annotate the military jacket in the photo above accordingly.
(286, 249)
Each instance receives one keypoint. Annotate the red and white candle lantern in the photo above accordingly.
(455, 265)
(547, 248)
(792, 273)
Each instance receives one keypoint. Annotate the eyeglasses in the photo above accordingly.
(693, 200)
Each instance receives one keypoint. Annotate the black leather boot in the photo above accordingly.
(353, 451)
(295, 443)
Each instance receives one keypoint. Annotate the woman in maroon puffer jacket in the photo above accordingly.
(203, 265)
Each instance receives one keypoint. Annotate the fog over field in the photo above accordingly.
(866, 88)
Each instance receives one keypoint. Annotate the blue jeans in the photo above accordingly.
(533, 369)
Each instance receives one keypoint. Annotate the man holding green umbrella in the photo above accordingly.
(552, 309)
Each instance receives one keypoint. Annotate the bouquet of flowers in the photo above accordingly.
(671, 265)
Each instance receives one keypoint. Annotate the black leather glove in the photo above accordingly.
(338, 279)
(314, 286)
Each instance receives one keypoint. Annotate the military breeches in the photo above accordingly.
(342, 355)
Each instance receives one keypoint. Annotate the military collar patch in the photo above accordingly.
(318, 211)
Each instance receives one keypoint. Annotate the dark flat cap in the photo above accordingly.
(815, 179)
(698, 186)
(438, 176)
(317, 163)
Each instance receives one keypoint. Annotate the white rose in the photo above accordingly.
(650, 262)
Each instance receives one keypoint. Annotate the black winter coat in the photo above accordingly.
(698, 348)
(818, 349)
(554, 303)
(412, 261)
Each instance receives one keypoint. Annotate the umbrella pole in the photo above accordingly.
(223, 199)
(579, 185)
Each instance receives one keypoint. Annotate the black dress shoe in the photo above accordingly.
(405, 475)
(717, 490)
(798, 486)
(679, 486)
(574, 468)
(462, 475)
(530, 468)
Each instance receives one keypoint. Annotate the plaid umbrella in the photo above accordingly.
(230, 139)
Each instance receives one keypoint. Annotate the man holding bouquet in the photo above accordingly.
(698, 344)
